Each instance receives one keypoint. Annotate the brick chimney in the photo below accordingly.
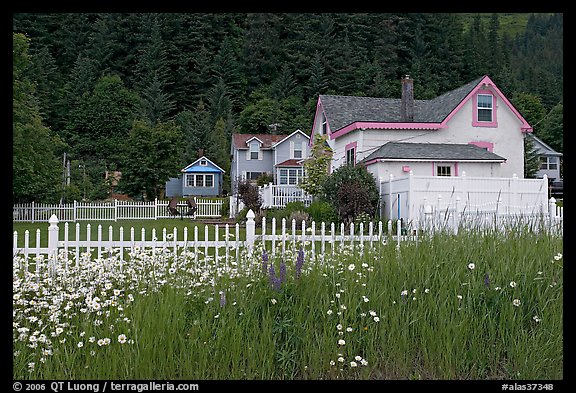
(407, 104)
(200, 153)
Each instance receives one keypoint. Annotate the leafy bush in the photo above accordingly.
(322, 211)
(351, 190)
(249, 195)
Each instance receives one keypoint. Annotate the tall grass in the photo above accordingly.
(476, 305)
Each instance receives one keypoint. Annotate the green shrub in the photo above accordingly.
(352, 190)
(322, 211)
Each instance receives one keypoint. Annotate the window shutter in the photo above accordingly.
(248, 154)
(260, 154)
(291, 149)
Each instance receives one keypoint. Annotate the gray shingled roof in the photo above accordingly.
(432, 151)
(344, 110)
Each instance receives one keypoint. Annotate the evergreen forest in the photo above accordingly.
(146, 93)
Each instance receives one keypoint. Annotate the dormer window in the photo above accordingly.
(254, 150)
(203, 162)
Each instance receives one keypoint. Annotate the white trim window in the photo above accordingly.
(443, 170)
(297, 149)
(203, 162)
(351, 156)
(254, 152)
(548, 163)
(200, 180)
(484, 106)
(291, 176)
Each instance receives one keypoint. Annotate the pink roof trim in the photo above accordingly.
(525, 127)
(386, 126)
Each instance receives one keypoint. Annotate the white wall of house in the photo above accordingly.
(507, 138)
(383, 170)
(285, 149)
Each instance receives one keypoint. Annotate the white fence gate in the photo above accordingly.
(112, 211)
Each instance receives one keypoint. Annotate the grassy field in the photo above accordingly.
(471, 306)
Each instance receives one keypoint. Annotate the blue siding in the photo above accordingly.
(203, 191)
(174, 187)
(178, 186)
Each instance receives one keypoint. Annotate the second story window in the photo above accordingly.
(351, 156)
(297, 151)
(484, 107)
(254, 150)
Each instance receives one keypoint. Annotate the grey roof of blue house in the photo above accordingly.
(344, 110)
(432, 151)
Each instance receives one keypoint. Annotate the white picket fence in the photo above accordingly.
(278, 195)
(111, 211)
(225, 241)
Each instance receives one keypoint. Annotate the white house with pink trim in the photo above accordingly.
(473, 128)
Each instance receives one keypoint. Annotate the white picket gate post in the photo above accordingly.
(250, 230)
(53, 236)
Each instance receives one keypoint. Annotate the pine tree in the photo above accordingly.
(35, 169)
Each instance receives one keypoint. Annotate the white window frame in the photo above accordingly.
(290, 176)
(351, 156)
(254, 147)
(197, 183)
(485, 109)
(298, 146)
(445, 169)
(203, 162)
(548, 163)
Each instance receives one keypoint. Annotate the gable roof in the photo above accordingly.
(432, 152)
(542, 148)
(345, 110)
(268, 140)
(298, 131)
(347, 113)
(196, 167)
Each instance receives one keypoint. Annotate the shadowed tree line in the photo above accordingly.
(144, 93)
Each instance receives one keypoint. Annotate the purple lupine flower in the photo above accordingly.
(222, 299)
(282, 271)
(274, 281)
(264, 261)
(486, 281)
(299, 262)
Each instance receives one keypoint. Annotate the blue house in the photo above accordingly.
(201, 178)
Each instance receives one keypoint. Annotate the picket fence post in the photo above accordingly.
(53, 236)
(250, 230)
(551, 211)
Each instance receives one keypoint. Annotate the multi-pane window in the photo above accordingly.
(484, 106)
(290, 176)
(254, 150)
(443, 170)
(193, 180)
(548, 163)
